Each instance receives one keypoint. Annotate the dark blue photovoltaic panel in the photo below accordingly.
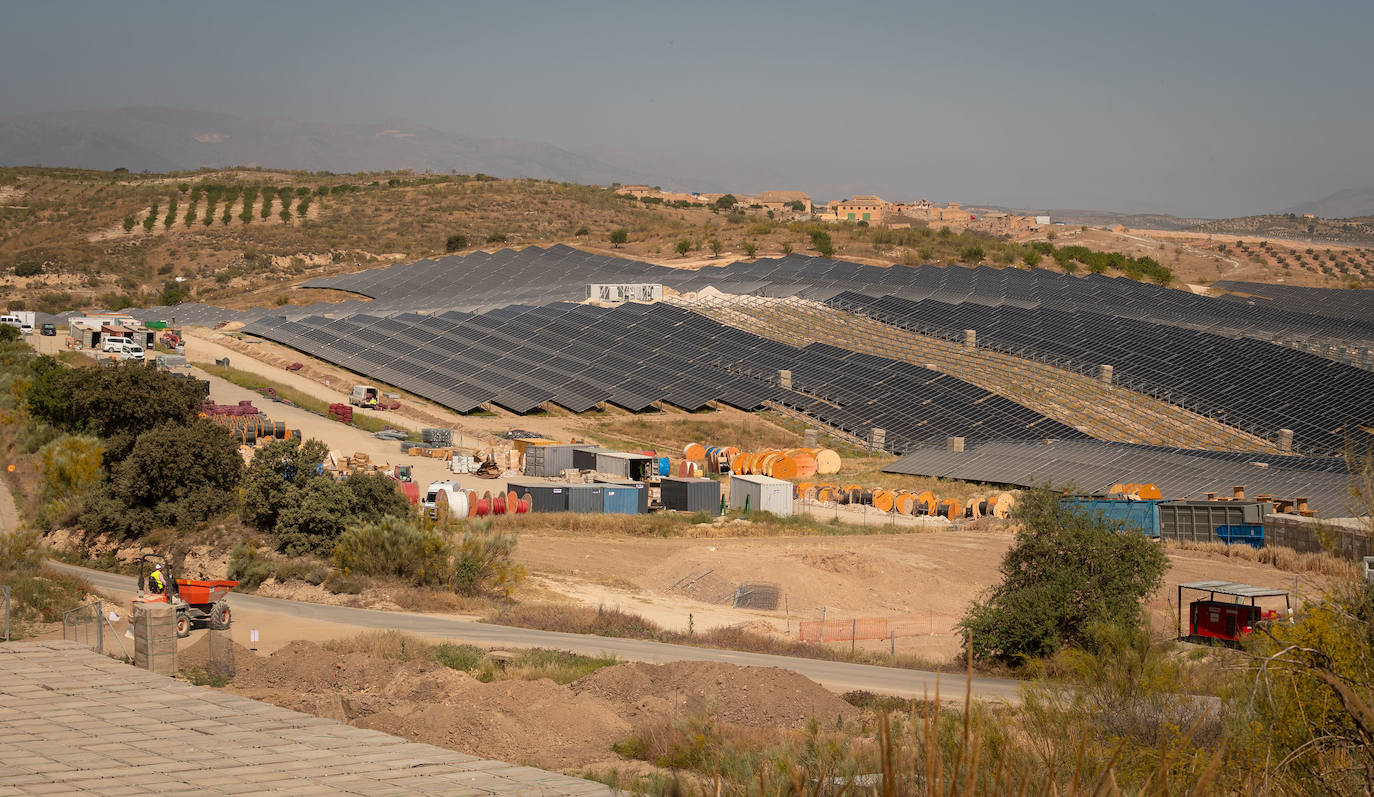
(637, 355)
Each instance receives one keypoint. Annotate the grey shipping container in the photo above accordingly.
(690, 495)
(1197, 521)
(626, 466)
(584, 457)
(761, 493)
(548, 461)
(584, 498)
(543, 497)
(643, 491)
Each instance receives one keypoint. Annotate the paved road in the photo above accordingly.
(835, 675)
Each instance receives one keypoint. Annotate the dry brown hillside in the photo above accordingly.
(73, 238)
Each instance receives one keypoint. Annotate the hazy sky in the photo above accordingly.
(1208, 107)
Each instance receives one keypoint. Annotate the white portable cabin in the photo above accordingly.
(762, 493)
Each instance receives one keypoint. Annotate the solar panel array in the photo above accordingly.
(1356, 305)
(1247, 383)
(579, 356)
(538, 275)
(1093, 466)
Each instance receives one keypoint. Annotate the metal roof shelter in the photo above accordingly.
(1233, 589)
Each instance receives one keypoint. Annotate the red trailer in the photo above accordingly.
(1227, 622)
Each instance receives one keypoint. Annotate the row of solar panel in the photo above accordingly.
(579, 356)
(1251, 384)
(538, 275)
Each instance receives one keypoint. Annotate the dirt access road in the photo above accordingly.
(834, 675)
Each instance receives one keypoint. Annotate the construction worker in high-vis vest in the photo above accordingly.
(156, 582)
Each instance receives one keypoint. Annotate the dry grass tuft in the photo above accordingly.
(1320, 564)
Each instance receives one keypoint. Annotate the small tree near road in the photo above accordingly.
(726, 202)
(682, 246)
(716, 247)
(751, 249)
(619, 237)
(1066, 573)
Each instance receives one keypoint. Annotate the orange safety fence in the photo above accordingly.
(859, 628)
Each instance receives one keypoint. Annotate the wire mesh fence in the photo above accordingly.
(221, 661)
(85, 625)
(860, 628)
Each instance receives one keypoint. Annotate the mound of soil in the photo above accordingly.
(762, 697)
(529, 722)
(533, 722)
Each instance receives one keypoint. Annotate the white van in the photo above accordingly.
(125, 348)
(25, 326)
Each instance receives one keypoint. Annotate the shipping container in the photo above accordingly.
(548, 461)
(1198, 521)
(690, 495)
(584, 457)
(621, 499)
(585, 498)
(1142, 516)
(641, 489)
(626, 466)
(543, 497)
(761, 493)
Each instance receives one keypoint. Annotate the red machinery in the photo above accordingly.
(1226, 622)
(196, 602)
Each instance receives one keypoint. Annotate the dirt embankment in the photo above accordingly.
(540, 723)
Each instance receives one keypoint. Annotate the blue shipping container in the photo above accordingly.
(620, 500)
(1252, 536)
(1140, 515)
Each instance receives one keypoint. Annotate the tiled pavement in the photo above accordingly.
(73, 722)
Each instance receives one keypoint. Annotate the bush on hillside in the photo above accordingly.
(1067, 572)
(315, 515)
(397, 548)
(276, 470)
(28, 269)
(248, 565)
(176, 476)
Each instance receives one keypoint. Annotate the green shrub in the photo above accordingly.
(1067, 572)
(484, 561)
(464, 658)
(395, 547)
(340, 583)
(28, 269)
(456, 242)
(248, 565)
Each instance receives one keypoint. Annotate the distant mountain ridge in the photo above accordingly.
(169, 139)
(1348, 204)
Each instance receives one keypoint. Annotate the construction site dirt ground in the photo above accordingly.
(930, 578)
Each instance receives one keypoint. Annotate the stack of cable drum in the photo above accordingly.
(791, 463)
(245, 423)
(906, 502)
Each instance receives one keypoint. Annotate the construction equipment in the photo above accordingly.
(1227, 622)
(197, 603)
